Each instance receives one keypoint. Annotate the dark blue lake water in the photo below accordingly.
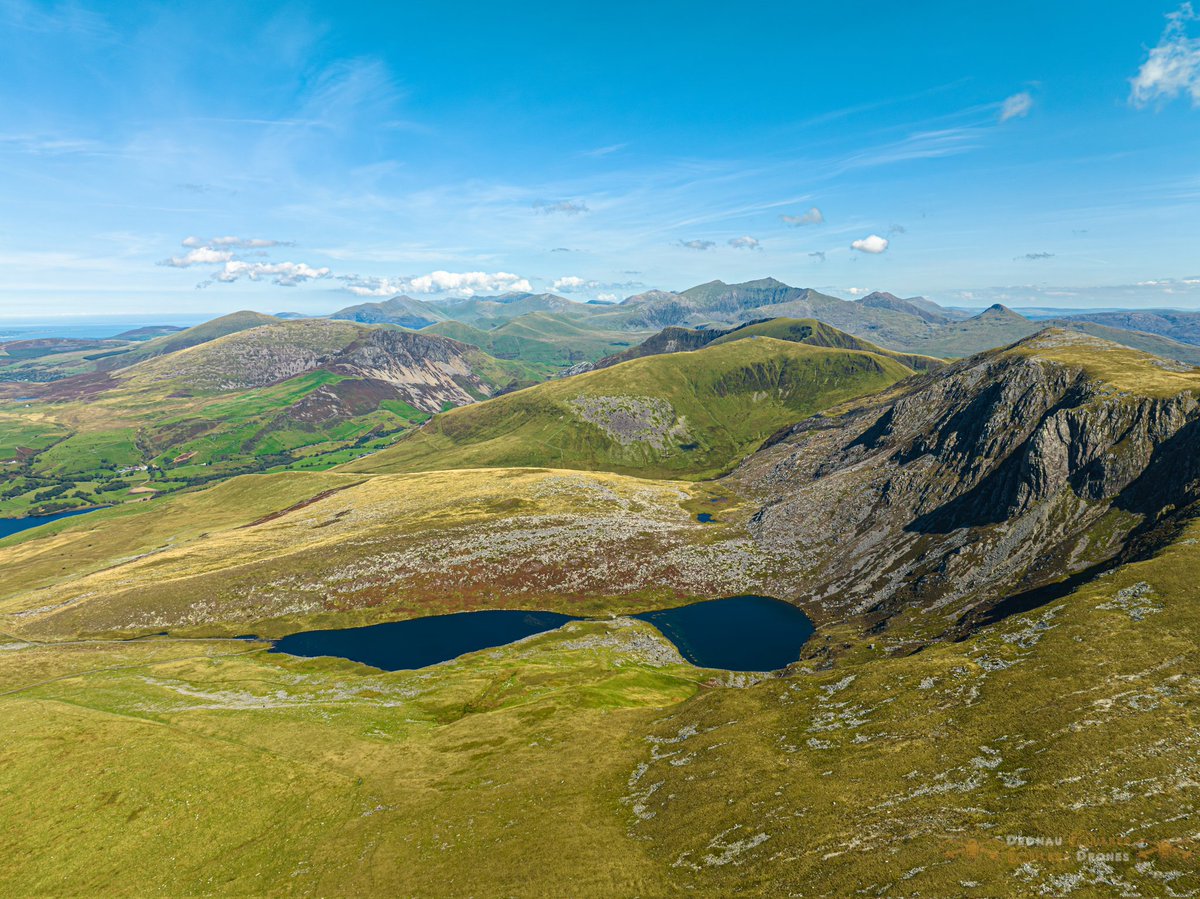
(418, 642)
(10, 526)
(743, 633)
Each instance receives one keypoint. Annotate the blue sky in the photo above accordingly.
(211, 156)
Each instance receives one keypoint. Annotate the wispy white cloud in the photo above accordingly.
(1173, 66)
(697, 244)
(604, 151)
(1017, 106)
(744, 243)
(814, 216)
(936, 144)
(1034, 257)
(219, 250)
(50, 144)
(241, 243)
(565, 207)
(818, 255)
(872, 243)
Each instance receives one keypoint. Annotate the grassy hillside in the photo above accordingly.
(303, 394)
(274, 553)
(194, 336)
(1155, 344)
(55, 360)
(251, 357)
(815, 333)
(594, 756)
(403, 311)
(691, 414)
(553, 339)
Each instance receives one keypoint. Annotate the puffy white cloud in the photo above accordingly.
(1173, 66)
(744, 243)
(221, 251)
(468, 283)
(1017, 106)
(367, 286)
(198, 256)
(285, 274)
(814, 216)
(872, 243)
(570, 282)
(573, 283)
(465, 284)
(607, 297)
(566, 207)
(237, 243)
(697, 244)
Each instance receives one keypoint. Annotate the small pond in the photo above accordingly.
(742, 633)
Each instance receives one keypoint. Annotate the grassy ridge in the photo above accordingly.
(540, 337)
(686, 414)
(816, 333)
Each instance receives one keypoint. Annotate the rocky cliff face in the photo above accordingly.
(427, 372)
(977, 484)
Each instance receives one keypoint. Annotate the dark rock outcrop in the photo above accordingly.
(992, 477)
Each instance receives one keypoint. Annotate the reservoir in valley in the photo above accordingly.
(741, 633)
(10, 526)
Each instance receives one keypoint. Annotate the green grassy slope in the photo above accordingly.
(690, 414)
(1155, 344)
(251, 400)
(541, 337)
(816, 333)
(189, 337)
(111, 355)
(591, 756)
(250, 357)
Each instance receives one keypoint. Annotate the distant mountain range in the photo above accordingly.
(904, 324)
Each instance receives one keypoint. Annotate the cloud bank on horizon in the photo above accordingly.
(1009, 153)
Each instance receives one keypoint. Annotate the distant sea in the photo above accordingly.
(90, 326)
